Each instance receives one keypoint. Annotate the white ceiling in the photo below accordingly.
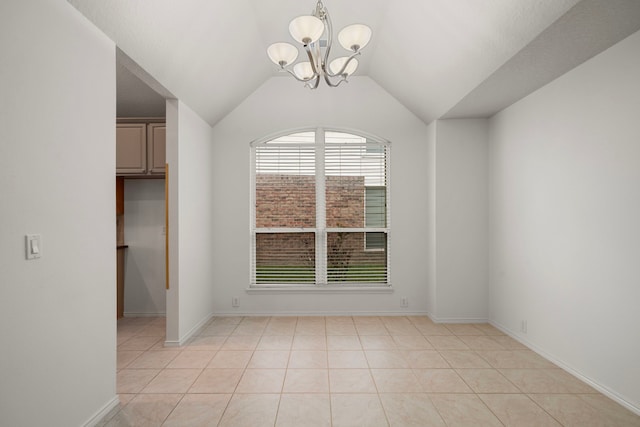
(440, 58)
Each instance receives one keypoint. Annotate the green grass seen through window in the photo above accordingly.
(306, 274)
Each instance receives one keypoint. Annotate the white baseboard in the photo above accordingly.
(136, 314)
(459, 319)
(103, 412)
(193, 331)
(319, 313)
(436, 319)
(602, 389)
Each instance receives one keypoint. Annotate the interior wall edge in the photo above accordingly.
(191, 333)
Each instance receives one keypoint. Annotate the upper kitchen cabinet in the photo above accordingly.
(156, 147)
(140, 149)
(131, 149)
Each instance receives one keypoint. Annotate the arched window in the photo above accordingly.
(320, 210)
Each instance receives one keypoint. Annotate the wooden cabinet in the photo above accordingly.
(156, 147)
(120, 256)
(120, 246)
(119, 196)
(140, 149)
(120, 210)
(131, 149)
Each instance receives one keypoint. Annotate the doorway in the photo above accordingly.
(141, 210)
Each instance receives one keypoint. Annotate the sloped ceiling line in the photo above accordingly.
(587, 29)
(439, 58)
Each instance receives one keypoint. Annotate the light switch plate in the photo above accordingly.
(33, 246)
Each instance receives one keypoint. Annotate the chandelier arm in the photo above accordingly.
(331, 84)
(344, 67)
(312, 60)
(329, 30)
(315, 85)
(296, 77)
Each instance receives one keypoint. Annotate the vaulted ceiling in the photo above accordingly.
(440, 58)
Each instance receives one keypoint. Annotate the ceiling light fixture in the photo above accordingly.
(309, 30)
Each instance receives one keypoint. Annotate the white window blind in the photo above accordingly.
(320, 213)
(356, 185)
(285, 211)
(285, 185)
(375, 217)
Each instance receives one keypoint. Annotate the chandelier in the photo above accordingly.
(309, 31)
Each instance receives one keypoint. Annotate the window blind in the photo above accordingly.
(356, 185)
(321, 210)
(282, 258)
(285, 210)
(285, 188)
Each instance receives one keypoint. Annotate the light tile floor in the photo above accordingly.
(346, 371)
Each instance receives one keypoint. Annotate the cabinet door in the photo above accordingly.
(131, 149)
(156, 133)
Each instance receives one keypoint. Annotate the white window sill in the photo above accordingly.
(320, 289)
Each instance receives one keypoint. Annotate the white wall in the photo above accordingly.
(565, 205)
(461, 223)
(190, 300)
(57, 162)
(144, 289)
(282, 104)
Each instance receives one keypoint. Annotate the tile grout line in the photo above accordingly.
(393, 330)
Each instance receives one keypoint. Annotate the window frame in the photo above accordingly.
(321, 230)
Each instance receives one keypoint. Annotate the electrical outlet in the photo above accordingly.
(235, 302)
(404, 302)
(523, 326)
